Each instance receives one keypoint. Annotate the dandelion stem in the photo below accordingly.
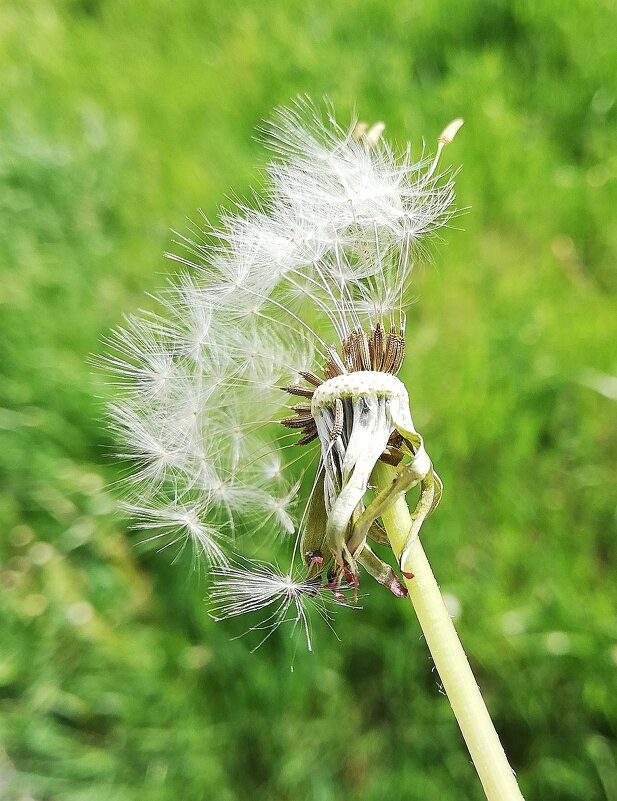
(449, 657)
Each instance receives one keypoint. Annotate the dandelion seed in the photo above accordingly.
(179, 522)
(278, 356)
(239, 590)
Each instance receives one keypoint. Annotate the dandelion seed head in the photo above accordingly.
(291, 291)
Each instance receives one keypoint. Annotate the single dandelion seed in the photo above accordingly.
(252, 587)
(181, 523)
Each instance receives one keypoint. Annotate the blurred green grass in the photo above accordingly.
(117, 120)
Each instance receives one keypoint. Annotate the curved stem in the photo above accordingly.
(448, 655)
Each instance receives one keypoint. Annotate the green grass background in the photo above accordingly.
(118, 120)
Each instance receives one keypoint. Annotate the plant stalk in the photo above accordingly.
(449, 657)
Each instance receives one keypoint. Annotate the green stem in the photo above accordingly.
(450, 660)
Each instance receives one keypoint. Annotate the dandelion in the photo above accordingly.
(304, 292)
(273, 366)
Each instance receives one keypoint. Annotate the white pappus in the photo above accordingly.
(303, 291)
